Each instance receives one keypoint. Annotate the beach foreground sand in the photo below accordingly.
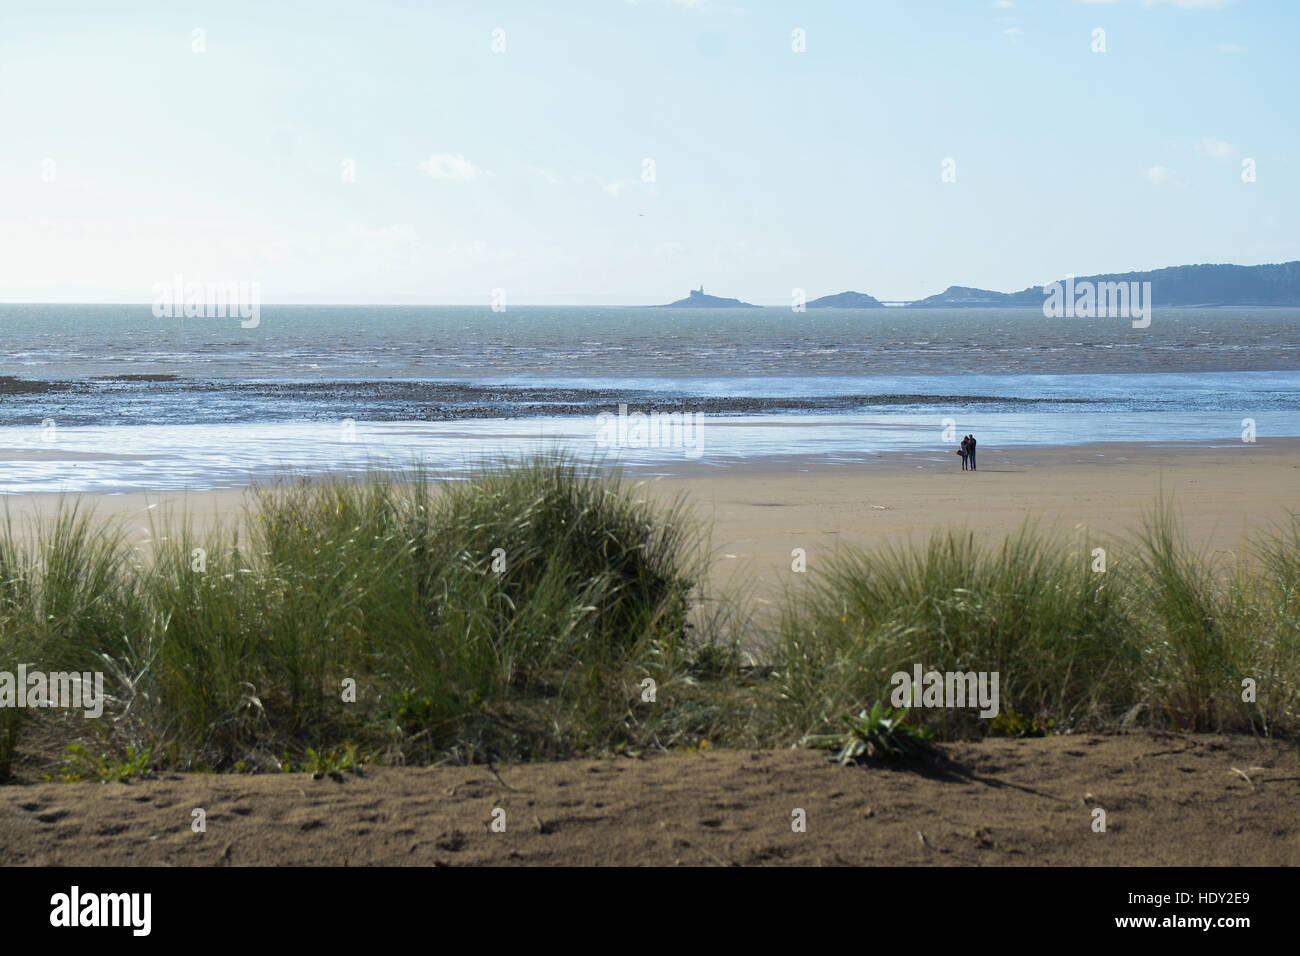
(1168, 800)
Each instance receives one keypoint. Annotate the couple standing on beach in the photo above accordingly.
(967, 452)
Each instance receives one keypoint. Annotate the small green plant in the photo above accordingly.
(878, 735)
(413, 711)
(80, 764)
(329, 763)
(1011, 724)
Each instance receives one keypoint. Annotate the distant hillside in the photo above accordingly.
(1203, 285)
(959, 295)
(698, 300)
(846, 300)
(1177, 285)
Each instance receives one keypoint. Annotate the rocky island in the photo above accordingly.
(698, 300)
(847, 300)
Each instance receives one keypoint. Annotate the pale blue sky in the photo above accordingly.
(522, 170)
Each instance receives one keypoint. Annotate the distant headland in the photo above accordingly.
(1199, 285)
(1187, 286)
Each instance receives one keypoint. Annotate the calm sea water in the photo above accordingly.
(112, 398)
(471, 343)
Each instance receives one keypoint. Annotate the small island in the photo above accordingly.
(847, 300)
(698, 300)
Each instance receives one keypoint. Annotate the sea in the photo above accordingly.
(110, 398)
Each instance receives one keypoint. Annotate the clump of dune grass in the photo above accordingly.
(1030, 609)
(515, 615)
(64, 602)
(1160, 638)
(1194, 651)
(1273, 596)
(1211, 642)
(10, 600)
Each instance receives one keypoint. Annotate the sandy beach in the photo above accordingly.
(760, 510)
(760, 515)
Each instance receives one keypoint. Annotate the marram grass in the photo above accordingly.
(513, 616)
(1160, 638)
(522, 613)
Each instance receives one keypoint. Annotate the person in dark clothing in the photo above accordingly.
(964, 450)
(970, 451)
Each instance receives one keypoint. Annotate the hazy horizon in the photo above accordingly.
(415, 302)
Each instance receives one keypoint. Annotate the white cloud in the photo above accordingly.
(1003, 4)
(1163, 176)
(1215, 148)
(450, 166)
(1231, 48)
(1011, 32)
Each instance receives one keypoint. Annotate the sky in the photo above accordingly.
(619, 152)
